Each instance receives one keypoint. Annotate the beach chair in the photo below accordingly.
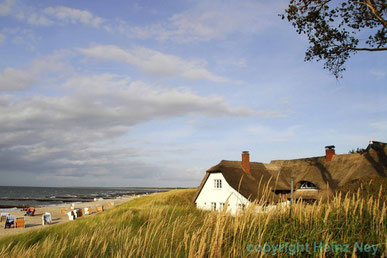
(80, 213)
(20, 222)
(10, 222)
(75, 213)
(63, 211)
(46, 218)
(90, 210)
(99, 208)
(70, 214)
(3, 218)
(86, 211)
(30, 211)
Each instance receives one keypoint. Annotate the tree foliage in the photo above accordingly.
(338, 29)
(358, 150)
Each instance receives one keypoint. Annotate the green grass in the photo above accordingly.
(168, 224)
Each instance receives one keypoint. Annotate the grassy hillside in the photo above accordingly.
(168, 224)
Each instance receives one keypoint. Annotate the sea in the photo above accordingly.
(13, 197)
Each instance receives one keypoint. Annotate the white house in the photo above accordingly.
(216, 193)
(221, 188)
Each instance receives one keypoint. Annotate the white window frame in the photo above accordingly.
(213, 206)
(217, 183)
(221, 206)
(306, 185)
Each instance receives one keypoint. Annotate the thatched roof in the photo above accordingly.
(327, 176)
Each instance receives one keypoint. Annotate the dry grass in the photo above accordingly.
(169, 225)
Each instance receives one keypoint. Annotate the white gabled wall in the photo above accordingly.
(210, 194)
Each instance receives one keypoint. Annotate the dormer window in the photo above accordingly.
(307, 185)
(217, 183)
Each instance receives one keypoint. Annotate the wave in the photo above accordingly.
(9, 209)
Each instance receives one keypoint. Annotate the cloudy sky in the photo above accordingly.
(152, 93)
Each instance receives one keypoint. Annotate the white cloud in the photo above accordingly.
(12, 79)
(71, 15)
(21, 36)
(71, 136)
(157, 101)
(378, 74)
(34, 18)
(379, 126)
(154, 62)
(102, 106)
(268, 134)
(242, 63)
(209, 20)
(212, 21)
(5, 7)
(57, 15)
(2, 38)
(20, 79)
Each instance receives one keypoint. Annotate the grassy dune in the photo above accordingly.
(168, 224)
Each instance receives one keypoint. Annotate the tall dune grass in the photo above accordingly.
(169, 225)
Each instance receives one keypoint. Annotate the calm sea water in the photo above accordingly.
(18, 196)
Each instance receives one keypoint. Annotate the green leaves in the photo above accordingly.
(338, 30)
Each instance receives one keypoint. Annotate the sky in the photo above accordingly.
(153, 93)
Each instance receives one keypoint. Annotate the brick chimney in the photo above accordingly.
(246, 162)
(329, 152)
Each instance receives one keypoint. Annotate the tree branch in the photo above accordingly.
(370, 49)
(371, 6)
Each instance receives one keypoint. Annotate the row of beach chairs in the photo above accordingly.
(74, 213)
(10, 221)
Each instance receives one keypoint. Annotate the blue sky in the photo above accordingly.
(151, 93)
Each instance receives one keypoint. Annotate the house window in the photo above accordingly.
(213, 206)
(221, 205)
(307, 185)
(241, 206)
(217, 183)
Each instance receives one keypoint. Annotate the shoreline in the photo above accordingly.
(35, 222)
(26, 202)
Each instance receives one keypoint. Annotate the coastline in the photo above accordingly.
(35, 222)
(65, 200)
(28, 196)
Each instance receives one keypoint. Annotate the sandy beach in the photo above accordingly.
(34, 222)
